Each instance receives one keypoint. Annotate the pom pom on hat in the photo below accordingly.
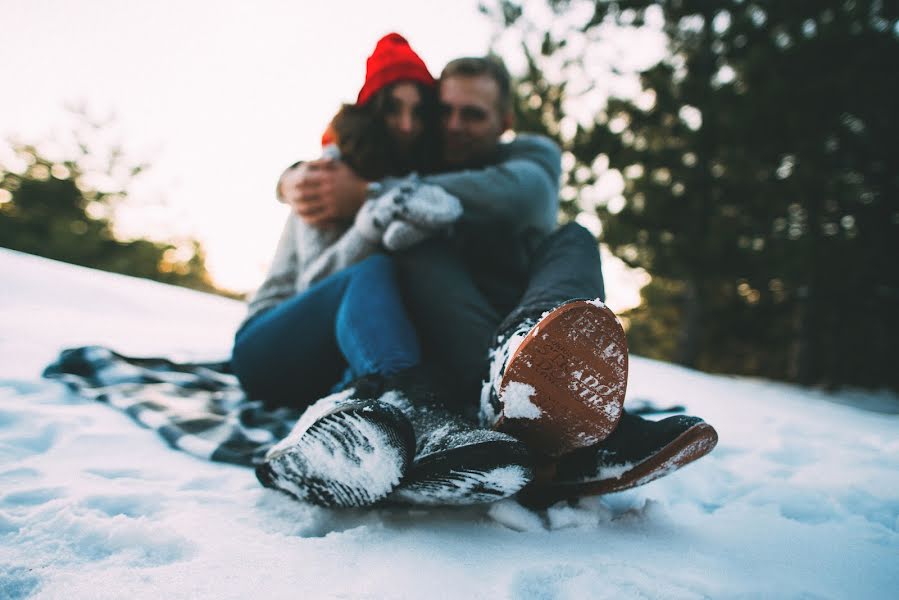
(392, 60)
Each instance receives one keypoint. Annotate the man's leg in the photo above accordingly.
(637, 451)
(566, 266)
(558, 368)
(454, 320)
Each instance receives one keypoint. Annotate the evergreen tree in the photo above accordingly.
(760, 183)
(56, 209)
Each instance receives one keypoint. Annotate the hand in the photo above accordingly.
(323, 191)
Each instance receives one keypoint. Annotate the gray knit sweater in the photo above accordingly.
(518, 193)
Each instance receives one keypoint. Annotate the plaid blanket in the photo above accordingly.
(198, 408)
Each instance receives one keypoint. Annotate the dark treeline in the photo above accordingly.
(760, 172)
(64, 210)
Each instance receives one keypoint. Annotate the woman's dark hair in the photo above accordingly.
(367, 146)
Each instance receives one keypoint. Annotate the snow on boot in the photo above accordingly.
(346, 450)
(639, 451)
(455, 463)
(558, 383)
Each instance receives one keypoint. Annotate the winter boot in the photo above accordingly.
(639, 451)
(557, 382)
(347, 450)
(455, 463)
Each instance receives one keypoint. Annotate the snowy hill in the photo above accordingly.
(799, 500)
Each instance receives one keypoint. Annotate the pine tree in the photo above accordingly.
(760, 185)
(51, 208)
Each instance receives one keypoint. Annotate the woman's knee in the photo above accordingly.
(376, 263)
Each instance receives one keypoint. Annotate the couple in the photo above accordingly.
(421, 269)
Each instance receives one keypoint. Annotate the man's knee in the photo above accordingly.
(432, 271)
(428, 255)
(574, 234)
(570, 245)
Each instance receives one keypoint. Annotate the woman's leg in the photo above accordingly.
(296, 352)
(373, 331)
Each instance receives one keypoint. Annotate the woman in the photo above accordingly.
(313, 286)
(328, 315)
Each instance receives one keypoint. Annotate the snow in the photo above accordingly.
(799, 499)
(315, 412)
(516, 399)
(501, 481)
(499, 356)
(372, 464)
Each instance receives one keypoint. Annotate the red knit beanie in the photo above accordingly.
(392, 60)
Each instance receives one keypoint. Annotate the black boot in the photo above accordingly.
(558, 379)
(639, 451)
(455, 462)
(347, 450)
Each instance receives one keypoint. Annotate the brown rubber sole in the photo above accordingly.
(564, 386)
(686, 448)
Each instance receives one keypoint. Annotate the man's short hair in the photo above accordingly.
(491, 66)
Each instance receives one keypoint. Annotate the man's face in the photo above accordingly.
(471, 118)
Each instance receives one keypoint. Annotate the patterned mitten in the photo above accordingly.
(374, 217)
(400, 235)
(429, 206)
(420, 210)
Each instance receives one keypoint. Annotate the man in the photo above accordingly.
(506, 270)
(509, 194)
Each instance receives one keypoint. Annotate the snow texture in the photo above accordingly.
(468, 487)
(354, 460)
(309, 417)
(499, 357)
(799, 500)
(517, 403)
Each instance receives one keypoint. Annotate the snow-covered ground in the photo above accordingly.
(799, 500)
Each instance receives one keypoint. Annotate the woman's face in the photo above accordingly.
(404, 114)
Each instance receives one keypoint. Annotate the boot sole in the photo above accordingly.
(686, 448)
(574, 363)
(345, 459)
(469, 475)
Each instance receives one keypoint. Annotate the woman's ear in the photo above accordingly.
(508, 121)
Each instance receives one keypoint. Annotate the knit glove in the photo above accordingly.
(429, 206)
(419, 211)
(400, 218)
(402, 234)
(374, 217)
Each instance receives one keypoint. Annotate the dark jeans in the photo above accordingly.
(349, 324)
(458, 317)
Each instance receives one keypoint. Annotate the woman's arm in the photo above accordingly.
(280, 282)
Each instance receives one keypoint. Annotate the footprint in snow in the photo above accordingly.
(132, 505)
(32, 497)
(116, 473)
(17, 582)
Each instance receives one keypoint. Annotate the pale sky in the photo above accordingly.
(218, 96)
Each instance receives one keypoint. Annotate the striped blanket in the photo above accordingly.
(198, 408)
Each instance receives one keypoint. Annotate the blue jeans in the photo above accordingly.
(350, 324)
